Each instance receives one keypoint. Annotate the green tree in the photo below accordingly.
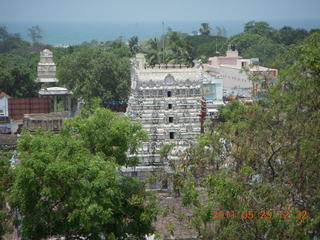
(205, 29)
(262, 29)
(5, 184)
(134, 45)
(289, 36)
(11, 42)
(252, 45)
(35, 34)
(68, 184)
(17, 75)
(96, 72)
(261, 158)
(221, 31)
(205, 46)
(152, 51)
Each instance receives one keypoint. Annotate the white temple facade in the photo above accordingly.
(167, 102)
(47, 74)
(46, 68)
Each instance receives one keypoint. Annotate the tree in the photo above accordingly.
(152, 51)
(11, 42)
(5, 184)
(96, 72)
(134, 45)
(260, 162)
(289, 36)
(35, 34)
(205, 29)
(221, 31)
(262, 29)
(205, 46)
(68, 184)
(252, 45)
(17, 75)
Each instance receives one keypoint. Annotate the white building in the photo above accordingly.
(167, 101)
(47, 74)
(237, 73)
(212, 91)
(46, 68)
(4, 107)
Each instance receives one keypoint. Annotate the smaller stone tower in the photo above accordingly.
(46, 68)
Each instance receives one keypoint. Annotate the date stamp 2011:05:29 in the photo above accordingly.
(259, 214)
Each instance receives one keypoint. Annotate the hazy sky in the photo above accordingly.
(140, 10)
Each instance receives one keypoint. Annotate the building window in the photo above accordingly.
(169, 93)
(164, 184)
(171, 135)
(169, 106)
(170, 119)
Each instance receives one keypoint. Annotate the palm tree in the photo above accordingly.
(205, 29)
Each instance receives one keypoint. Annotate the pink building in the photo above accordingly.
(237, 73)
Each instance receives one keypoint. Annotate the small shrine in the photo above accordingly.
(60, 96)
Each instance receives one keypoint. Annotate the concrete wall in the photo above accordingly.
(232, 77)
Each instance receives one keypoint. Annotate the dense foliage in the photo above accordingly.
(258, 40)
(102, 68)
(17, 77)
(5, 183)
(262, 160)
(96, 72)
(263, 156)
(68, 184)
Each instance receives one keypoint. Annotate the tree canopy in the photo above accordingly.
(68, 185)
(261, 161)
(96, 72)
(17, 77)
(35, 34)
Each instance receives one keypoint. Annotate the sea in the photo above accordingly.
(73, 33)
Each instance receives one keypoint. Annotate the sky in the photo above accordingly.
(156, 10)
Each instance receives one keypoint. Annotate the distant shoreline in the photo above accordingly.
(72, 33)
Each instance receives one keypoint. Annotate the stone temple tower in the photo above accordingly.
(47, 75)
(166, 100)
(46, 68)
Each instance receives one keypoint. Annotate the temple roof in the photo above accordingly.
(51, 91)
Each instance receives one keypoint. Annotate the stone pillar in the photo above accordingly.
(54, 103)
(69, 103)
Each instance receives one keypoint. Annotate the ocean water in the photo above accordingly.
(72, 33)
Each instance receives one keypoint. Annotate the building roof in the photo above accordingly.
(51, 91)
(3, 94)
(47, 80)
(160, 74)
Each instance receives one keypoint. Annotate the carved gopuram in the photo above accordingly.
(46, 68)
(47, 75)
(167, 101)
